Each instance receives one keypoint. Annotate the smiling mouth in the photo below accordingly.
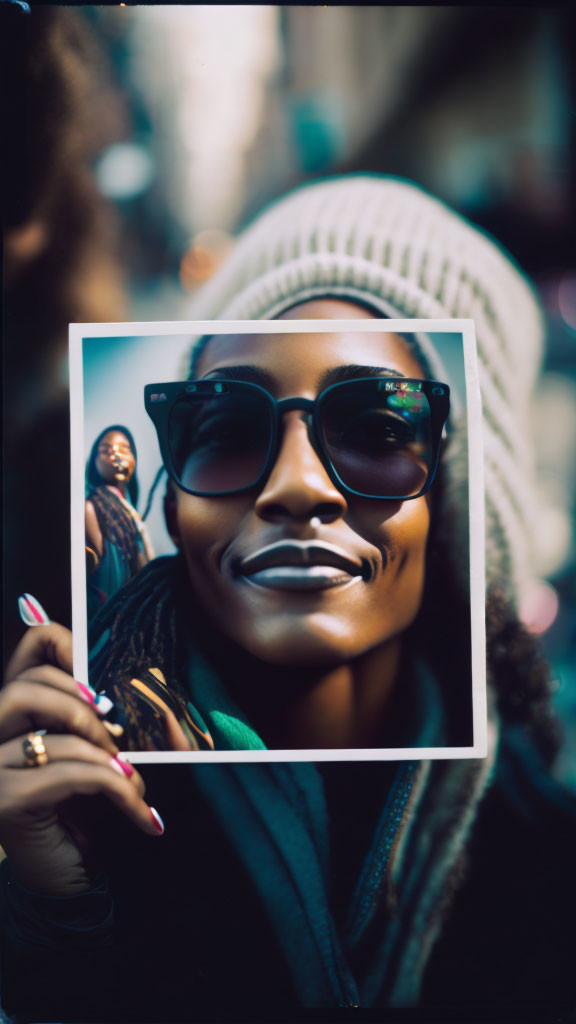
(302, 566)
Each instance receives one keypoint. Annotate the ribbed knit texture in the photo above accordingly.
(385, 242)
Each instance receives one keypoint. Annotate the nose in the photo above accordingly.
(299, 487)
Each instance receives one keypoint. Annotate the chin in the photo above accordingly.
(322, 647)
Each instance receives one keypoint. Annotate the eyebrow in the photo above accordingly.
(352, 371)
(256, 375)
(246, 372)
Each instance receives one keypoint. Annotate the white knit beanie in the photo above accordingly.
(387, 243)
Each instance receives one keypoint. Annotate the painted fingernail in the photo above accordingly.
(115, 764)
(124, 766)
(31, 611)
(156, 821)
(103, 703)
(86, 693)
(99, 701)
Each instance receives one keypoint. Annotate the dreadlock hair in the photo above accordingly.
(516, 667)
(93, 477)
(143, 620)
(117, 525)
(147, 628)
(115, 522)
(149, 622)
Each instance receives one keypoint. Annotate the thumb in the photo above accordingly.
(42, 645)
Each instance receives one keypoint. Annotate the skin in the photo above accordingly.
(39, 692)
(344, 641)
(323, 664)
(115, 461)
(49, 851)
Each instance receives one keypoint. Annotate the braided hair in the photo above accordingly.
(115, 522)
(142, 620)
(148, 628)
(149, 623)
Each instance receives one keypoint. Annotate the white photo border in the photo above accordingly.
(198, 328)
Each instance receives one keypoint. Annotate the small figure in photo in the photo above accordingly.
(117, 542)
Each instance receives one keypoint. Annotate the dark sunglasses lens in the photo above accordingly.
(219, 442)
(379, 442)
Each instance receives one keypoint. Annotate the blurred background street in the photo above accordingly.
(143, 138)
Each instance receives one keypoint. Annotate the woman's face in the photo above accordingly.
(115, 460)
(332, 613)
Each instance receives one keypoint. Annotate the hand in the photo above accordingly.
(45, 851)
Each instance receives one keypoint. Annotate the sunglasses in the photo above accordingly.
(376, 437)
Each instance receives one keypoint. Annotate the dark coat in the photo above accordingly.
(192, 939)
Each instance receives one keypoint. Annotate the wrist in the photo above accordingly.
(45, 878)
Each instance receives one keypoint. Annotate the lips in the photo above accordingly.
(301, 565)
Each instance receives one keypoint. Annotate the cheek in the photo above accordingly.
(204, 527)
(403, 539)
(409, 532)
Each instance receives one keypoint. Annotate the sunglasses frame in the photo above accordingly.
(160, 399)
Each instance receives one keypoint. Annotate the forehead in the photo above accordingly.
(297, 361)
(115, 437)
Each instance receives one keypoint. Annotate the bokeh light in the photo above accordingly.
(124, 170)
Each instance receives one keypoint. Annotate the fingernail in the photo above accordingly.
(103, 703)
(116, 766)
(156, 821)
(124, 766)
(86, 694)
(99, 701)
(31, 611)
(114, 728)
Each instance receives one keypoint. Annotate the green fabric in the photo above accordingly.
(257, 808)
(216, 712)
(214, 709)
(276, 817)
(100, 644)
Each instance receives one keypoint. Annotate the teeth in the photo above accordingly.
(300, 570)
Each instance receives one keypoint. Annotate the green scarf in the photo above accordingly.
(215, 711)
(276, 818)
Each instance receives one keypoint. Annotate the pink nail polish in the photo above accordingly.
(31, 611)
(114, 764)
(125, 766)
(86, 694)
(156, 820)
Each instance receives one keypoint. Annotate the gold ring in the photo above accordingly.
(34, 750)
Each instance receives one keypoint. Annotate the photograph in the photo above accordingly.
(274, 597)
(288, 709)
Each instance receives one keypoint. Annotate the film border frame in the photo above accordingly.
(197, 328)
